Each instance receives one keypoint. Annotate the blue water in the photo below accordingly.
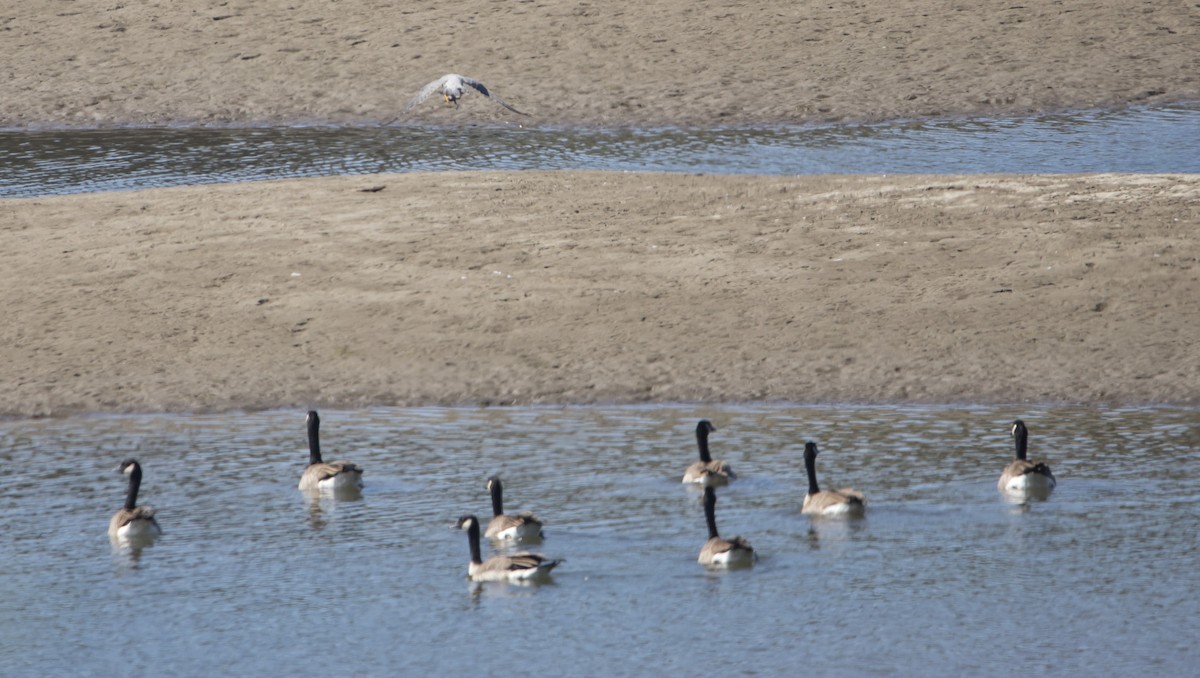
(942, 578)
(1131, 140)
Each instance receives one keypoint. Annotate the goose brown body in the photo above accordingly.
(1023, 476)
(521, 526)
(718, 551)
(133, 521)
(514, 567)
(708, 471)
(843, 502)
(323, 475)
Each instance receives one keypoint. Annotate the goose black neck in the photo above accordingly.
(710, 511)
(135, 482)
(473, 540)
(810, 466)
(314, 440)
(497, 497)
(702, 440)
(1021, 436)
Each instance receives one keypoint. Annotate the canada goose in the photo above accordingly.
(1023, 476)
(524, 525)
(515, 567)
(334, 475)
(133, 521)
(718, 552)
(843, 502)
(452, 86)
(707, 472)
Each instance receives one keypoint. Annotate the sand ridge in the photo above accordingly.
(584, 287)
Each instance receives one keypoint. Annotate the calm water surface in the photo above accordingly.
(1130, 140)
(942, 577)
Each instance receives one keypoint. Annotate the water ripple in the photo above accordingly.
(1130, 140)
(249, 571)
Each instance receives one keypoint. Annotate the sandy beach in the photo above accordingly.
(498, 288)
(90, 63)
(585, 287)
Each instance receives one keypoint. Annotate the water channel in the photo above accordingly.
(942, 577)
(1130, 140)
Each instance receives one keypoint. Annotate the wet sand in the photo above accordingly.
(565, 287)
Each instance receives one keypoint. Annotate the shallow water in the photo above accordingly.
(1131, 140)
(943, 577)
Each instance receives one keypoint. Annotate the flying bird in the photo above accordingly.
(451, 86)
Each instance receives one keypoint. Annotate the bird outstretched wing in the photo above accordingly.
(482, 89)
(426, 92)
